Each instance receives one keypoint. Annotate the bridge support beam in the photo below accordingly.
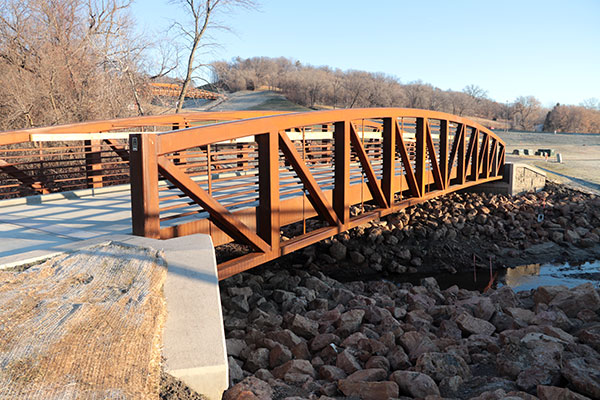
(389, 160)
(143, 169)
(341, 154)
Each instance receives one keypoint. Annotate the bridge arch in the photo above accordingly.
(309, 175)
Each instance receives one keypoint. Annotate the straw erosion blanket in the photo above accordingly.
(83, 325)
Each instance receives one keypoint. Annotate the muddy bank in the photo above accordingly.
(295, 334)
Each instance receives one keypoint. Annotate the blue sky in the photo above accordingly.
(548, 49)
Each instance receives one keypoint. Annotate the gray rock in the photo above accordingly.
(236, 373)
(338, 251)
(442, 365)
(304, 327)
(257, 359)
(235, 347)
(584, 376)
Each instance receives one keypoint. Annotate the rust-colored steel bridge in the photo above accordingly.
(249, 176)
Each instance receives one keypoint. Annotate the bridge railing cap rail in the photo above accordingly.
(181, 139)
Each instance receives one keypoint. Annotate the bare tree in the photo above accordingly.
(527, 112)
(202, 16)
(57, 61)
(475, 92)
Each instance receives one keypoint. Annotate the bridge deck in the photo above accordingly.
(31, 226)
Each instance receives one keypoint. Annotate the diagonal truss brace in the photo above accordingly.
(367, 168)
(316, 195)
(222, 217)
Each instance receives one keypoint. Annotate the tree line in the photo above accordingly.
(65, 61)
(322, 87)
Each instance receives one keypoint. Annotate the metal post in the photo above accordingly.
(341, 202)
(389, 160)
(475, 155)
(444, 167)
(93, 163)
(268, 189)
(460, 156)
(143, 169)
(421, 153)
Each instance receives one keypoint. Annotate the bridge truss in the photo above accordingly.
(271, 182)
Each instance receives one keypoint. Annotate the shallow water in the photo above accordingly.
(520, 278)
(528, 277)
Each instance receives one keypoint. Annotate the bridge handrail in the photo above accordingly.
(222, 131)
(181, 120)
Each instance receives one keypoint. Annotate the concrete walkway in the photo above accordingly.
(31, 227)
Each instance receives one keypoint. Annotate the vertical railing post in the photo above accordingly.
(421, 149)
(341, 157)
(475, 155)
(460, 155)
(268, 220)
(485, 148)
(389, 160)
(93, 163)
(444, 167)
(143, 169)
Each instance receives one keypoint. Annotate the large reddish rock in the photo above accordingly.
(558, 393)
(279, 355)
(331, 373)
(347, 362)
(415, 384)
(249, 387)
(285, 337)
(349, 322)
(591, 336)
(576, 299)
(469, 324)
(417, 343)
(369, 390)
(322, 340)
(295, 367)
(371, 375)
